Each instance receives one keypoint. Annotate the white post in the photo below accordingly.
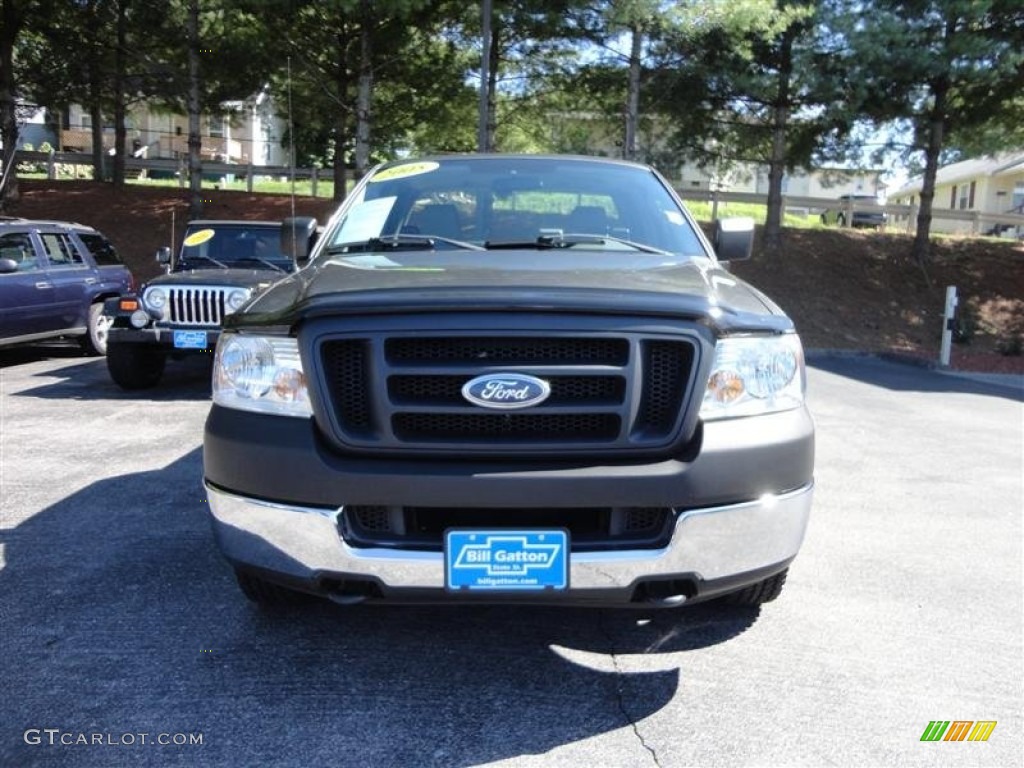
(947, 325)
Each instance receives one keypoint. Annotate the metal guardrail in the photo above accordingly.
(979, 221)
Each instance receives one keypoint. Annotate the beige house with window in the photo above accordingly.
(246, 132)
(988, 185)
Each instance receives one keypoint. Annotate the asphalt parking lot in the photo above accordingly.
(124, 641)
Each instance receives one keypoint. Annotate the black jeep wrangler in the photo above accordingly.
(508, 378)
(221, 265)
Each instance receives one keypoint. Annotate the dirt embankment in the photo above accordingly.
(851, 290)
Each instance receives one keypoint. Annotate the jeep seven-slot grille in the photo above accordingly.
(197, 306)
(399, 392)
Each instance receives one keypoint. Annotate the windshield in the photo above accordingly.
(495, 203)
(232, 246)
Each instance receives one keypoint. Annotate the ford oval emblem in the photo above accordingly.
(506, 391)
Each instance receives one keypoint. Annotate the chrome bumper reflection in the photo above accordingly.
(712, 543)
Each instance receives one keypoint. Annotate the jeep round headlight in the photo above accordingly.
(236, 299)
(753, 375)
(156, 298)
(260, 373)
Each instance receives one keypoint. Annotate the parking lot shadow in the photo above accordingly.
(904, 377)
(120, 617)
(187, 379)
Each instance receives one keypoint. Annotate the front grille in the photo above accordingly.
(517, 350)
(197, 305)
(447, 390)
(528, 426)
(402, 391)
(590, 528)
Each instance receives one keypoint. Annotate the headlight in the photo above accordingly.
(236, 299)
(753, 375)
(260, 373)
(155, 300)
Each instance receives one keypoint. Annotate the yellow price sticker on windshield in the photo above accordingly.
(200, 237)
(407, 169)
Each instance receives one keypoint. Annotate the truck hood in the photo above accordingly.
(592, 282)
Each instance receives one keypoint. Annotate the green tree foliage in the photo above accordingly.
(748, 87)
(14, 15)
(367, 80)
(951, 72)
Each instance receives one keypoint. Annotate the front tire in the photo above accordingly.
(95, 340)
(266, 594)
(759, 593)
(134, 366)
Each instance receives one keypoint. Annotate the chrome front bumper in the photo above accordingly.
(302, 546)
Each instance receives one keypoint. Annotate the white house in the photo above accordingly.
(818, 182)
(993, 185)
(246, 132)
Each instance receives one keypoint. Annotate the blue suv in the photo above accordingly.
(54, 278)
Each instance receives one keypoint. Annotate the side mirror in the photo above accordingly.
(163, 255)
(733, 238)
(7, 266)
(298, 234)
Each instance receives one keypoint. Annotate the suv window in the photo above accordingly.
(60, 251)
(102, 250)
(18, 247)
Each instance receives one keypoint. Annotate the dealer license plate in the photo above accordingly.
(190, 340)
(504, 560)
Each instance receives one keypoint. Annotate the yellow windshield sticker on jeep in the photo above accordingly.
(198, 238)
(401, 171)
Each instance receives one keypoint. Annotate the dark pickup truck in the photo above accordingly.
(221, 265)
(502, 378)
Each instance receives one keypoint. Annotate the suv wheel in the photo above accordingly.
(95, 340)
(265, 594)
(133, 366)
(761, 592)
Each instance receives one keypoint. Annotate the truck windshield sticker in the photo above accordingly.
(402, 171)
(200, 237)
(365, 220)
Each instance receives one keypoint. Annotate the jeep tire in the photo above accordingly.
(135, 366)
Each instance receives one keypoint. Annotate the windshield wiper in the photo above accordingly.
(570, 239)
(258, 260)
(402, 242)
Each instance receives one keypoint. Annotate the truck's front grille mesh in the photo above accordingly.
(512, 426)
(197, 305)
(590, 528)
(517, 350)
(667, 371)
(403, 391)
(345, 366)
